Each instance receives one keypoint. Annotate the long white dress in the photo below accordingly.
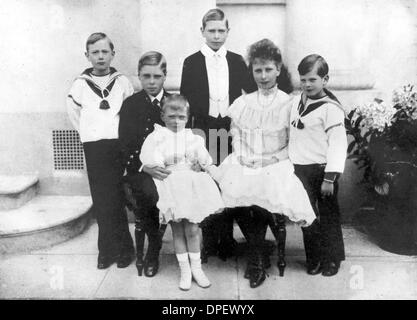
(260, 132)
(184, 194)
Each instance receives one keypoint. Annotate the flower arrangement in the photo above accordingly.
(385, 140)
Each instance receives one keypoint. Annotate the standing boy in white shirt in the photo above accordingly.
(211, 80)
(93, 106)
(317, 148)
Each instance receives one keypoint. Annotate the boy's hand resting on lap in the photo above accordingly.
(327, 188)
(157, 172)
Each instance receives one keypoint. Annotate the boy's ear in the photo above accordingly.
(326, 78)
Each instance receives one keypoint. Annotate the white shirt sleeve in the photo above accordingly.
(236, 138)
(337, 140)
(151, 153)
(74, 106)
(204, 158)
(283, 133)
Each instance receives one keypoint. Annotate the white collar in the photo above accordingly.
(208, 52)
(268, 92)
(158, 96)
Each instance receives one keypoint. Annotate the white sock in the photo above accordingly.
(197, 271)
(185, 271)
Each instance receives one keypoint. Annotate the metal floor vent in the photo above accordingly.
(68, 150)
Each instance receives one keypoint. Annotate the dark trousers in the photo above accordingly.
(104, 169)
(146, 214)
(254, 221)
(323, 240)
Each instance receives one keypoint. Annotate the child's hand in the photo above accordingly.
(246, 163)
(327, 188)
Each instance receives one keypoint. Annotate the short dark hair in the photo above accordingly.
(153, 58)
(214, 15)
(94, 37)
(265, 49)
(309, 62)
(176, 102)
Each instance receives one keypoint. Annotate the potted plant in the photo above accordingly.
(384, 146)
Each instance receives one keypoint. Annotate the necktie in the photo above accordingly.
(156, 103)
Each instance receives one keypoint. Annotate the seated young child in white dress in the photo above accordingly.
(187, 195)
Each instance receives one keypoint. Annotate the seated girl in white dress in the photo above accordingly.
(258, 172)
(187, 195)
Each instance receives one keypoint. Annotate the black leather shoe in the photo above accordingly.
(151, 268)
(330, 269)
(314, 268)
(103, 262)
(124, 260)
(256, 277)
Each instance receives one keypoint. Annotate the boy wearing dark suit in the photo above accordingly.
(212, 79)
(138, 115)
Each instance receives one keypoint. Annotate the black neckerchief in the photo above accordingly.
(87, 76)
(303, 110)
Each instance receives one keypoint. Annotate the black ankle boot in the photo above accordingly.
(151, 264)
(257, 274)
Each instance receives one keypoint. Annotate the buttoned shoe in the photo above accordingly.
(196, 270)
(257, 276)
(185, 271)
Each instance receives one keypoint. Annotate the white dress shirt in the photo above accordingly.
(218, 79)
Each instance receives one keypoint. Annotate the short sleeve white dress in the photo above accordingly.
(184, 194)
(260, 132)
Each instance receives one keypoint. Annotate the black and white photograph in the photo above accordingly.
(218, 152)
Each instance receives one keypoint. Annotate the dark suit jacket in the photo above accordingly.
(195, 87)
(137, 118)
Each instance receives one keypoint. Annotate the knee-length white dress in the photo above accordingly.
(259, 130)
(184, 194)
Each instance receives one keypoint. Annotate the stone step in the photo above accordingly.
(16, 190)
(43, 222)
